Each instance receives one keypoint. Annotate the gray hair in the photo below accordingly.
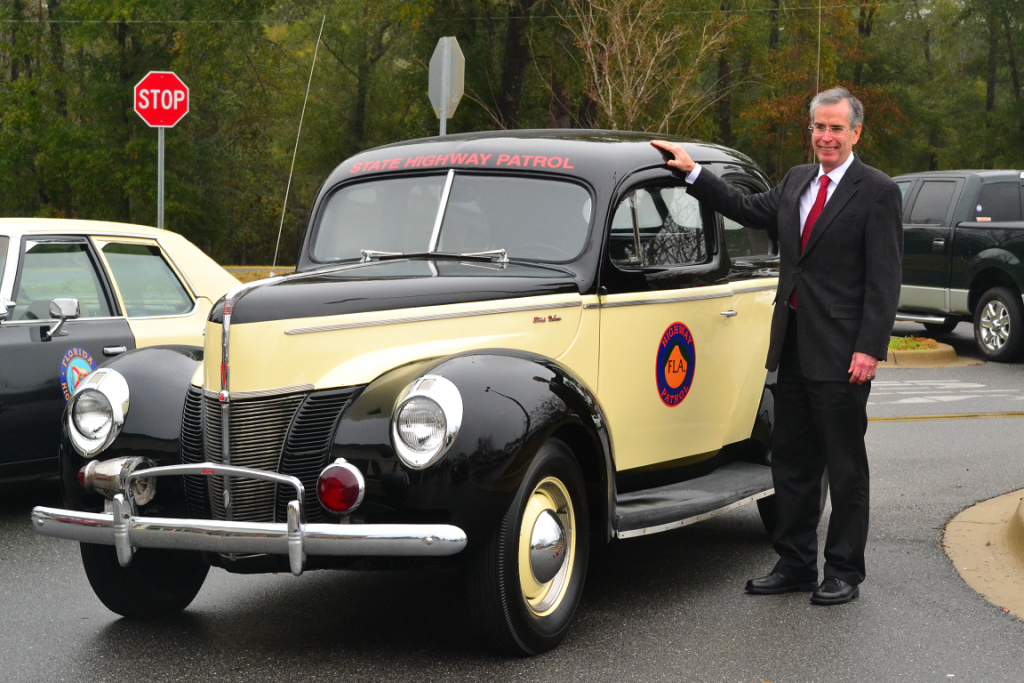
(827, 98)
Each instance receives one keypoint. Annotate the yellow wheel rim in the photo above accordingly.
(549, 494)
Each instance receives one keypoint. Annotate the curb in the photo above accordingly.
(942, 357)
(985, 543)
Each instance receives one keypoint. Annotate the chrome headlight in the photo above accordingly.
(426, 421)
(97, 411)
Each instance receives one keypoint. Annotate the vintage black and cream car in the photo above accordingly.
(498, 350)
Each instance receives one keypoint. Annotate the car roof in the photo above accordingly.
(981, 172)
(582, 153)
(29, 226)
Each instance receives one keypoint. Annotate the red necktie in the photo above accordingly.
(819, 204)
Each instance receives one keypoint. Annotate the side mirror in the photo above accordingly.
(63, 310)
(6, 305)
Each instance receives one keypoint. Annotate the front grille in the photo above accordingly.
(308, 447)
(288, 434)
(196, 495)
(258, 429)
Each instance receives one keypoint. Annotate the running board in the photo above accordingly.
(652, 511)
(921, 318)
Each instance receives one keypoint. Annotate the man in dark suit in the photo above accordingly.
(840, 236)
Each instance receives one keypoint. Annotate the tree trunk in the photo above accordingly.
(1014, 73)
(725, 90)
(725, 100)
(559, 109)
(517, 55)
(865, 25)
(125, 76)
(770, 167)
(993, 65)
(57, 57)
(13, 40)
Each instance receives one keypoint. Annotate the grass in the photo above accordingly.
(253, 273)
(912, 343)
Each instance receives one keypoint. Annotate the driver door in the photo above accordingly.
(38, 373)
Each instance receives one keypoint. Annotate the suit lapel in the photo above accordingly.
(844, 192)
(792, 227)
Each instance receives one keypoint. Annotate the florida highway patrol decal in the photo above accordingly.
(677, 360)
(75, 366)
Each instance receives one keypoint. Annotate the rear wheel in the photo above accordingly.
(157, 583)
(998, 322)
(526, 577)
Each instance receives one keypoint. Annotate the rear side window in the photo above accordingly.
(58, 271)
(932, 203)
(147, 284)
(998, 202)
(741, 241)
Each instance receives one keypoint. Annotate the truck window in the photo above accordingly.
(932, 204)
(998, 202)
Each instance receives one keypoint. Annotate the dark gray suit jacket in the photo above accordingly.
(847, 280)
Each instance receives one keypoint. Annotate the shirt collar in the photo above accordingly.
(836, 174)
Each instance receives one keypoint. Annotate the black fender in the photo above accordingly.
(513, 401)
(158, 379)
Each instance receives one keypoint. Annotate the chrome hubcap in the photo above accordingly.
(994, 326)
(547, 547)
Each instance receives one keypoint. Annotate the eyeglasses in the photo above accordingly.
(820, 128)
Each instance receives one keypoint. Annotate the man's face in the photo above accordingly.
(833, 150)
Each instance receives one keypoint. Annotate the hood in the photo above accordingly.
(348, 326)
(392, 285)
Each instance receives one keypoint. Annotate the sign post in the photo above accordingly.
(447, 79)
(161, 100)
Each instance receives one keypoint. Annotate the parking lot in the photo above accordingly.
(667, 607)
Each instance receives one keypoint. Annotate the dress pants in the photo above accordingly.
(819, 424)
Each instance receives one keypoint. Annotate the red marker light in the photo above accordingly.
(340, 487)
(81, 476)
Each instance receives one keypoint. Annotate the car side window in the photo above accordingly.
(997, 202)
(53, 270)
(741, 241)
(932, 204)
(146, 282)
(658, 226)
(5, 242)
(904, 186)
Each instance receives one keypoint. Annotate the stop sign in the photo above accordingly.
(161, 99)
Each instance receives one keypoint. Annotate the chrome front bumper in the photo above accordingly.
(126, 531)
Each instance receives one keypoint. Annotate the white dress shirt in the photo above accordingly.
(811, 193)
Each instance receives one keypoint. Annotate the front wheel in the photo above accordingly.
(526, 577)
(157, 583)
(998, 322)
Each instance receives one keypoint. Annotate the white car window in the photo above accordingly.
(52, 270)
(147, 284)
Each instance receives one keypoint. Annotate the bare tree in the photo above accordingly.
(642, 71)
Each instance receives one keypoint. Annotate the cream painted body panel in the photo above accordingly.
(728, 351)
(266, 356)
(180, 329)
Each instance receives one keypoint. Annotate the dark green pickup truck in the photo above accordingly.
(963, 252)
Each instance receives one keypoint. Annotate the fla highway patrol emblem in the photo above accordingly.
(675, 365)
(75, 366)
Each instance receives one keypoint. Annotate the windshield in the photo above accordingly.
(530, 218)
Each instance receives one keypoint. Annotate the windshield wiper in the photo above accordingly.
(497, 255)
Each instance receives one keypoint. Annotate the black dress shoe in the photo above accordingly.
(833, 591)
(776, 583)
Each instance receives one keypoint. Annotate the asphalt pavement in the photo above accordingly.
(669, 607)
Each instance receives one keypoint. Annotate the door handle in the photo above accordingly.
(113, 350)
(729, 314)
(938, 244)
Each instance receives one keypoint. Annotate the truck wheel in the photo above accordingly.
(157, 583)
(941, 328)
(998, 323)
(525, 578)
